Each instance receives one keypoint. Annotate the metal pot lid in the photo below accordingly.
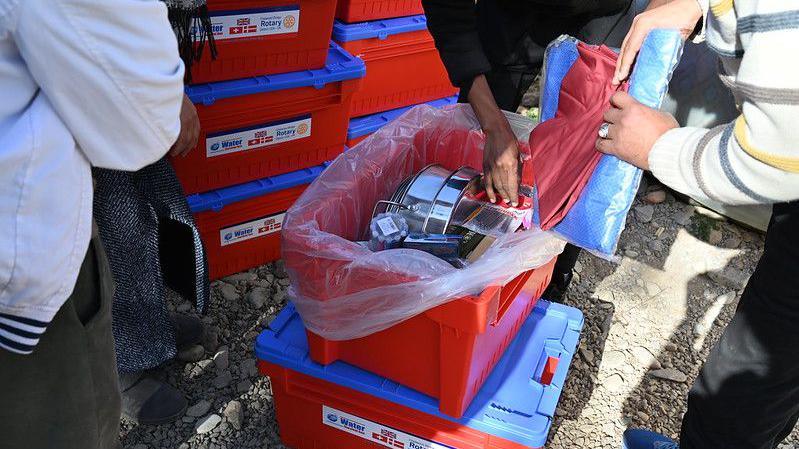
(428, 199)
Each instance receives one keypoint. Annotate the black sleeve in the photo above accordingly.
(453, 24)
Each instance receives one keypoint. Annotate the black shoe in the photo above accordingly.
(189, 330)
(557, 287)
(150, 402)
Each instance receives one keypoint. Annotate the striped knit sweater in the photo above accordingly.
(754, 159)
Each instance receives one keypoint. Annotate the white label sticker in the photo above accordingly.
(372, 431)
(387, 226)
(218, 144)
(257, 23)
(251, 229)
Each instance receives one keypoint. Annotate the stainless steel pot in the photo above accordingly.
(428, 199)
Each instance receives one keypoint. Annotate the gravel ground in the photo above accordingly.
(650, 322)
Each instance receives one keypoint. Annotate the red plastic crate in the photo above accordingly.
(448, 351)
(402, 64)
(240, 225)
(264, 126)
(302, 403)
(262, 37)
(351, 11)
(343, 407)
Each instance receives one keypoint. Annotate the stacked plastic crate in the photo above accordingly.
(277, 102)
(456, 376)
(273, 107)
(482, 371)
(281, 99)
(403, 67)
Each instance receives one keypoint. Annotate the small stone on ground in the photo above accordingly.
(644, 213)
(655, 196)
(234, 413)
(669, 374)
(207, 424)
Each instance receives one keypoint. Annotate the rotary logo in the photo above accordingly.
(302, 128)
(289, 22)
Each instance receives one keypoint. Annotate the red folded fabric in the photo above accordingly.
(563, 148)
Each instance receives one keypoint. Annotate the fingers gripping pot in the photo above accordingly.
(429, 199)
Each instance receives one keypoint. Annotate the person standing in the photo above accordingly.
(152, 242)
(494, 49)
(747, 392)
(84, 84)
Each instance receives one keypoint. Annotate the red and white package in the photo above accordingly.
(476, 213)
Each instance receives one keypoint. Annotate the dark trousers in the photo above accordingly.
(66, 394)
(747, 394)
(515, 41)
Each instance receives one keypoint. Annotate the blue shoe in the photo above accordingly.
(645, 439)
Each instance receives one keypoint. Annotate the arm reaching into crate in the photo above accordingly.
(453, 25)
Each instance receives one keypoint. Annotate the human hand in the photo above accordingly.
(634, 129)
(189, 129)
(682, 15)
(501, 165)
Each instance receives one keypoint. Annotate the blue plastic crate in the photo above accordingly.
(381, 29)
(215, 200)
(340, 66)
(512, 403)
(362, 126)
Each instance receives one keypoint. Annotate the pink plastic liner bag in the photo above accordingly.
(341, 289)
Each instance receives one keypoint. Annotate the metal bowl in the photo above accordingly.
(428, 199)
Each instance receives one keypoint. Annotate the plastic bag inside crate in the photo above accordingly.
(341, 289)
(596, 220)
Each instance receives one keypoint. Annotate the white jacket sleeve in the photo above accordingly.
(112, 71)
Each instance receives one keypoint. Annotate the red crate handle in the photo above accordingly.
(550, 367)
(508, 293)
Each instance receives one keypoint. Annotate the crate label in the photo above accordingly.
(374, 432)
(252, 229)
(218, 144)
(265, 22)
(387, 226)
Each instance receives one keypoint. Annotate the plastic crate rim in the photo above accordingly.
(381, 29)
(217, 199)
(340, 66)
(362, 126)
